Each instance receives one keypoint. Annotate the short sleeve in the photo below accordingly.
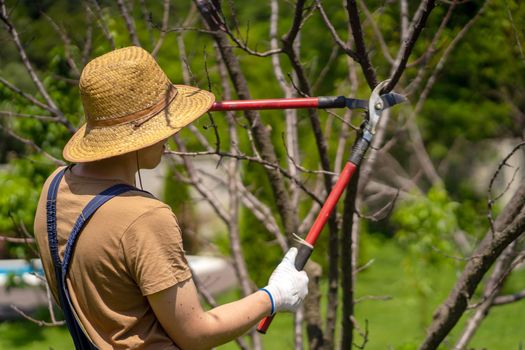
(153, 251)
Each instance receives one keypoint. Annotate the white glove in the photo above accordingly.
(287, 287)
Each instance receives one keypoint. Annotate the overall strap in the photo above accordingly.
(86, 214)
(78, 333)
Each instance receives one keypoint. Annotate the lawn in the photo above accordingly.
(398, 323)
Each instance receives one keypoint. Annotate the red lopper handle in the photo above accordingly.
(306, 248)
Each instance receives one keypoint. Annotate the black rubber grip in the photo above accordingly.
(331, 102)
(359, 150)
(303, 254)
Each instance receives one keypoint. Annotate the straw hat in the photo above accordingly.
(130, 104)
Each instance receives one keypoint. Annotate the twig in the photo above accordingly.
(301, 168)
(100, 22)
(38, 322)
(361, 52)
(419, 21)
(146, 16)
(496, 284)
(165, 20)
(223, 26)
(130, 23)
(346, 49)
(32, 145)
(4, 17)
(59, 118)
(88, 43)
(373, 297)
(198, 184)
(377, 32)
(327, 66)
(508, 299)
(382, 213)
(490, 200)
(261, 211)
(43, 118)
(251, 159)
(365, 266)
(17, 240)
(403, 13)
(516, 32)
(210, 116)
(431, 49)
(363, 334)
(67, 43)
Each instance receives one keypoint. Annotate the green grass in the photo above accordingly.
(29, 336)
(398, 323)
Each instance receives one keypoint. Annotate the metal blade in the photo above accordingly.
(392, 99)
(389, 100)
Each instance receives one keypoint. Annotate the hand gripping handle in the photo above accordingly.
(303, 254)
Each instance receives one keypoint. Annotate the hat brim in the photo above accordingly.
(91, 144)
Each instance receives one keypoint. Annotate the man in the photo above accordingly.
(122, 278)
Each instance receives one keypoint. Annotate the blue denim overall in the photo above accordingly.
(80, 338)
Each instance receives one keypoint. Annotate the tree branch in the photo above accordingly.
(4, 17)
(164, 28)
(130, 23)
(419, 21)
(361, 53)
(509, 226)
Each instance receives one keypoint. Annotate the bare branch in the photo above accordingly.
(361, 53)
(59, 118)
(373, 297)
(4, 17)
(403, 6)
(343, 45)
(377, 32)
(362, 333)
(88, 43)
(329, 65)
(146, 17)
(501, 271)
(130, 23)
(261, 211)
(290, 114)
(38, 322)
(32, 145)
(419, 21)
(516, 32)
(17, 240)
(197, 182)
(490, 200)
(431, 49)
(101, 22)
(509, 227)
(67, 44)
(508, 299)
(251, 159)
(43, 118)
(165, 20)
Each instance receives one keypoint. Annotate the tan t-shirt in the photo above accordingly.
(130, 248)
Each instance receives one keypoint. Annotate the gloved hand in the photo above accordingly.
(287, 287)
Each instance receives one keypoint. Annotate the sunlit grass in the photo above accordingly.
(398, 323)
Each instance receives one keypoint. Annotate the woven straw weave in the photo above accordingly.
(130, 104)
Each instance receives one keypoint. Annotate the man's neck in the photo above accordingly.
(121, 168)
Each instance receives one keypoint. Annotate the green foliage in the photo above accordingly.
(20, 190)
(426, 225)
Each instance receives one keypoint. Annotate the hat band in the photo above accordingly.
(140, 117)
